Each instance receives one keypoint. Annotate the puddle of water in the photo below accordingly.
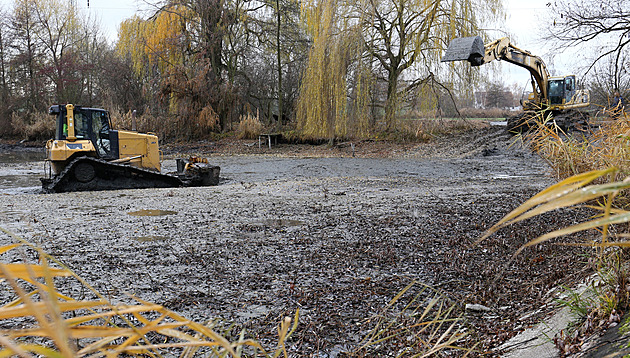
(150, 238)
(506, 176)
(151, 213)
(22, 156)
(20, 190)
(282, 222)
(254, 311)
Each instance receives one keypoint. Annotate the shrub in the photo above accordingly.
(606, 145)
(249, 127)
(33, 125)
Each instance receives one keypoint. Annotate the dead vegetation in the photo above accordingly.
(337, 238)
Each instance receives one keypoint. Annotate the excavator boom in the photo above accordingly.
(473, 50)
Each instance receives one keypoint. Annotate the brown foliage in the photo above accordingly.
(33, 125)
(249, 127)
(198, 102)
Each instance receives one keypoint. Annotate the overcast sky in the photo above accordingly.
(111, 12)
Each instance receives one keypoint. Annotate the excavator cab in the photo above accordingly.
(561, 90)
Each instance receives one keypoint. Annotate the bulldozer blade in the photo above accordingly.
(469, 49)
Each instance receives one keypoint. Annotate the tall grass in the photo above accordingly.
(42, 321)
(249, 127)
(605, 145)
(33, 125)
(415, 326)
(595, 170)
(607, 232)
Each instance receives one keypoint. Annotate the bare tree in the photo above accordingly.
(604, 22)
(26, 63)
(604, 82)
(5, 102)
(60, 32)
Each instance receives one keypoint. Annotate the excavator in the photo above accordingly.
(88, 154)
(557, 95)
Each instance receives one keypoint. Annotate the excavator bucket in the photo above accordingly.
(469, 49)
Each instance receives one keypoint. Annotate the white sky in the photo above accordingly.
(526, 23)
(110, 13)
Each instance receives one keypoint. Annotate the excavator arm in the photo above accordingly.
(473, 50)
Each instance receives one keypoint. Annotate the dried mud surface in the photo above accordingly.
(312, 227)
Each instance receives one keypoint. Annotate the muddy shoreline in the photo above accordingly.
(317, 229)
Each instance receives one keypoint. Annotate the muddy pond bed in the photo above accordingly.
(333, 235)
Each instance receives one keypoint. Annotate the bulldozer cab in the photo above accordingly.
(91, 124)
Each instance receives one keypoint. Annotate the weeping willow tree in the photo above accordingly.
(322, 106)
(180, 52)
(372, 52)
(154, 44)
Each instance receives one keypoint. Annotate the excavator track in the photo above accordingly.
(88, 174)
(569, 121)
(521, 123)
(573, 121)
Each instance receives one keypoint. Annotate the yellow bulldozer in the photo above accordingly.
(558, 96)
(88, 154)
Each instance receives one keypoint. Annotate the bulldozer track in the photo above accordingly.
(88, 174)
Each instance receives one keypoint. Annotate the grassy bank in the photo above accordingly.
(594, 172)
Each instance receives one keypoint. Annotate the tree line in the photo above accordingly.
(329, 68)
(325, 68)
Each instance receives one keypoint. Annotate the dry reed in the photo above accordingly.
(45, 322)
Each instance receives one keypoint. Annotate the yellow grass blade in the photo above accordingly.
(100, 331)
(612, 210)
(23, 310)
(597, 244)
(24, 271)
(553, 192)
(41, 351)
(93, 324)
(207, 332)
(59, 332)
(40, 315)
(573, 198)
(6, 248)
(144, 349)
(593, 224)
(139, 333)
(12, 349)
(96, 346)
(18, 301)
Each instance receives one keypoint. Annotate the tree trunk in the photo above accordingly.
(280, 109)
(2, 63)
(391, 103)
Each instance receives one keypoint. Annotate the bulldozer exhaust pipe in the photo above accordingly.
(469, 49)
